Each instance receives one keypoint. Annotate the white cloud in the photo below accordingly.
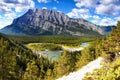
(46, 1)
(105, 21)
(106, 7)
(9, 9)
(79, 13)
(96, 17)
(107, 2)
(110, 9)
(87, 3)
(0, 16)
(118, 18)
(6, 19)
(44, 7)
(101, 12)
(43, 1)
(11, 15)
(18, 5)
(4, 23)
(85, 16)
(5, 8)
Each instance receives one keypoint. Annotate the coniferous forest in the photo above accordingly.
(17, 62)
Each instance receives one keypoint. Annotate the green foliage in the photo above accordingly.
(31, 72)
(65, 64)
(111, 44)
(64, 40)
(88, 54)
(49, 75)
(110, 49)
(110, 71)
(7, 64)
(17, 62)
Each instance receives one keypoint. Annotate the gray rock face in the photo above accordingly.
(50, 22)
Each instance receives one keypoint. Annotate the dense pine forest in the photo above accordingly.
(19, 63)
(65, 40)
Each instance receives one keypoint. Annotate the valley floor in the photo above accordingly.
(79, 75)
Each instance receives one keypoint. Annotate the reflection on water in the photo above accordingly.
(51, 54)
(84, 44)
(55, 54)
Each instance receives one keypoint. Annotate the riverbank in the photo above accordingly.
(53, 54)
(82, 46)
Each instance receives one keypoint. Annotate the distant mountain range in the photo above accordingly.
(50, 22)
(108, 29)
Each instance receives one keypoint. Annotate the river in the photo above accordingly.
(55, 54)
(82, 46)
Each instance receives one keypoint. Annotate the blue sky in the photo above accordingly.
(100, 12)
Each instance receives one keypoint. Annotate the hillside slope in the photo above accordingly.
(110, 49)
(19, 63)
(79, 75)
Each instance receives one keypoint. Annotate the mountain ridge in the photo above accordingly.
(50, 22)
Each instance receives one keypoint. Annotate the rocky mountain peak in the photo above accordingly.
(51, 22)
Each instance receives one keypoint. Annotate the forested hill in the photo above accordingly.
(13, 59)
(111, 44)
(110, 49)
(19, 63)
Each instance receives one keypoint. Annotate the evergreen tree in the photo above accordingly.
(64, 64)
(31, 72)
(49, 75)
(7, 60)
